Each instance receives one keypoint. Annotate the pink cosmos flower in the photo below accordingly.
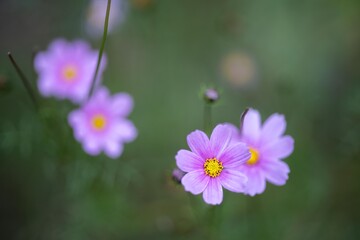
(66, 70)
(101, 124)
(268, 147)
(212, 164)
(97, 12)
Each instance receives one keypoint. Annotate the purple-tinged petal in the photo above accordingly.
(213, 193)
(233, 180)
(276, 171)
(256, 182)
(45, 86)
(199, 144)
(80, 94)
(273, 128)
(102, 94)
(195, 181)
(91, 146)
(235, 133)
(74, 117)
(76, 121)
(57, 47)
(235, 155)
(281, 148)
(79, 47)
(124, 130)
(219, 139)
(188, 161)
(251, 128)
(113, 149)
(42, 62)
(122, 104)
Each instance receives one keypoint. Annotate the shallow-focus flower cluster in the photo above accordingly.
(238, 161)
(66, 71)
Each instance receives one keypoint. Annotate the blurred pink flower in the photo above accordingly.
(96, 16)
(66, 70)
(101, 124)
(267, 146)
(211, 164)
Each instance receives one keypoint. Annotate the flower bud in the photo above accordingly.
(177, 175)
(211, 95)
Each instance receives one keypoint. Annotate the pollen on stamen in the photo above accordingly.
(69, 73)
(98, 122)
(213, 167)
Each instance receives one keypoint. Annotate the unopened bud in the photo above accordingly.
(177, 175)
(211, 95)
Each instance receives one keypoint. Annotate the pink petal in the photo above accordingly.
(235, 155)
(273, 128)
(101, 94)
(42, 62)
(220, 139)
(195, 181)
(58, 47)
(80, 93)
(235, 133)
(124, 130)
(113, 149)
(276, 171)
(76, 121)
(45, 85)
(233, 180)
(91, 146)
(74, 117)
(213, 193)
(122, 104)
(251, 127)
(79, 47)
(281, 148)
(256, 182)
(188, 161)
(199, 143)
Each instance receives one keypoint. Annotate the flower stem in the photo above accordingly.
(214, 222)
(25, 81)
(106, 24)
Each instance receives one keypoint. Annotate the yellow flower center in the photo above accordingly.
(98, 122)
(69, 73)
(213, 167)
(254, 157)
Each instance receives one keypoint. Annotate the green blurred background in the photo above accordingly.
(300, 58)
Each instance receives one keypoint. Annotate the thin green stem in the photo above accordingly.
(25, 81)
(106, 24)
(214, 222)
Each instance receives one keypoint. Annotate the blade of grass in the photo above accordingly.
(25, 81)
(106, 24)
